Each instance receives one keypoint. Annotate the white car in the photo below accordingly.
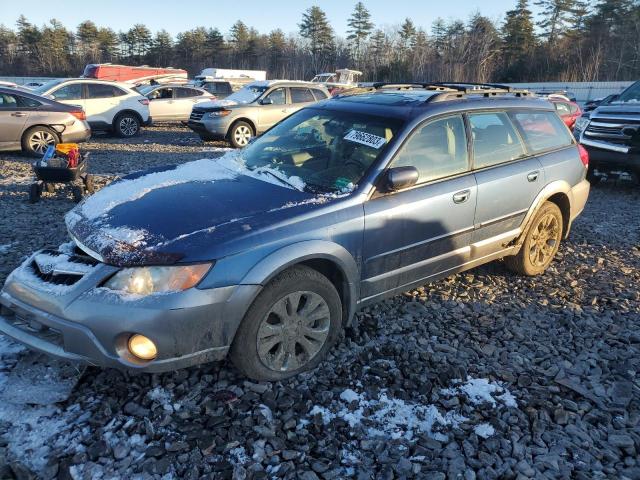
(173, 103)
(109, 105)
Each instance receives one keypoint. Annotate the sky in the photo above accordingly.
(264, 15)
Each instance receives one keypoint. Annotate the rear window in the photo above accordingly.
(26, 102)
(98, 90)
(542, 130)
(301, 95)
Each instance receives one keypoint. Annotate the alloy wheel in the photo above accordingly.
(40, 140)
(242, 135)
(293, 331)
(544, 240)
(128, 126)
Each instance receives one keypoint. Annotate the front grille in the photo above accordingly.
(611, 129)
(37, 329)
(196, 115)
(60, 269)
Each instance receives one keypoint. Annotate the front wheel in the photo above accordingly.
(540, 244)
(240, 134)
(289, 327)
(126, 125)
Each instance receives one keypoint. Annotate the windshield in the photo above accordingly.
(47, 86)
(330, 151)
(247, 94)
(630, 95)
(144, 90)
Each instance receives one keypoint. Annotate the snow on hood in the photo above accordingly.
(121, 240)
(217, 103)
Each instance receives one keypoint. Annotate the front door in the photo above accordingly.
(425, 230)
(272, 109)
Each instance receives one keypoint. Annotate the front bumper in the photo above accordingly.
(92, 325)
(215, 129)
(607, 157)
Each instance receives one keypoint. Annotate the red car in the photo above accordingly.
(569, 111)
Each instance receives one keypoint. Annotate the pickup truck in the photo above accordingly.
(611, 134)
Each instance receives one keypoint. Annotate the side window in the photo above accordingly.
(8, 101)
(437, 149)
(68, 92)
(24, 102)
(495, 139)
(186, 93)
(319, 94)
(542, 130)
(278, 96)
(99, 90)
(301, 95)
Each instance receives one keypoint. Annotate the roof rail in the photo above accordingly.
(409, 85)
(483, 88)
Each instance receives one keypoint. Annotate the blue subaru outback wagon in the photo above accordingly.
(266, 253)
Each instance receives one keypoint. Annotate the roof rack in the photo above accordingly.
(455, 90)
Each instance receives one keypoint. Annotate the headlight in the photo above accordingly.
(581, 124)
(148, 280)
(219, 113)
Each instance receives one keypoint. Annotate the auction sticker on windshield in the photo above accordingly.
(365, 138)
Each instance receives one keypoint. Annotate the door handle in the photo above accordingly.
(533, 176)
(462, 196)
(18, 114)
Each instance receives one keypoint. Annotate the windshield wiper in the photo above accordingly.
(280, 179)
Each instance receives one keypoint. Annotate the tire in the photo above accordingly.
(36, 140)
(240, 134)
(77, 193)
(88, 184)
(49, 188)
(536, 253)
(126, 125)
(274, 360)
(34, 192)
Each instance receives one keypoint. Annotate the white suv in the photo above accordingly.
(108, 105)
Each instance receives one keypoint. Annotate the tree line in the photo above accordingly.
(570, 40)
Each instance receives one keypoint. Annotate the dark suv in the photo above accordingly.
(267, 252)
(611, 133)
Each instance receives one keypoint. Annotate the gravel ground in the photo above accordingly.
(482, 375)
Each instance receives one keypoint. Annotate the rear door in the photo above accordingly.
(508, 178)
(422, 231)
(13, 117)
(271, 113)
(103, 102)
(300, 98)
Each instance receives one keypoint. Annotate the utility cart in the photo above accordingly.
(57, 170)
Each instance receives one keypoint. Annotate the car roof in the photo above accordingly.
(408, 102)
(285, 83)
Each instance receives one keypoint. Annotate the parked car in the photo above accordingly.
(33, 123)
(109, 105)
(253, 110)
(611, 134)
(591, 105)
(569, 111)
(267, 253)
(220, 88)
(173, 103)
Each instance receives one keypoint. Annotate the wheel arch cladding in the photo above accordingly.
(563, 203)
(330, 259)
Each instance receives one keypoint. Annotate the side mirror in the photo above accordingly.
(266, 101)
(400, 177)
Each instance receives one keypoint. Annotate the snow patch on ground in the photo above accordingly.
(5, 248)
(395, 418)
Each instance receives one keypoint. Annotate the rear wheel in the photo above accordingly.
(35, 190)
(88, 184)
(240, 134)
(540, 244)
(289, 327)
(77, 193)
(36, 140)
(126, 125)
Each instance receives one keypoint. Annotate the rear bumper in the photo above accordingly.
(76, 136)
(189, 328)
(579, 196)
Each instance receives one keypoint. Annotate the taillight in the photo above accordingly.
(79, 114)
(584, 156)
(144, 101)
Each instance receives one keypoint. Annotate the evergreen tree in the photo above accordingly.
(407, 34)
(360, 27)
(556, 18)
(316, 29)
(518, 41)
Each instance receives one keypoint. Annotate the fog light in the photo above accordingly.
(142, 347)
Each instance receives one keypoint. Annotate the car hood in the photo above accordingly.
(170, 214)
(217, 104)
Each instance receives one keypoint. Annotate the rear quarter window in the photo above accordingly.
(542, 130)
